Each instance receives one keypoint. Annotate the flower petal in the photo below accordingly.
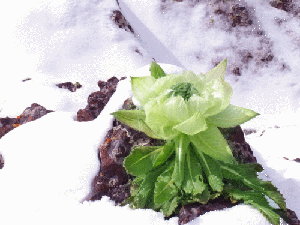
(193, 125)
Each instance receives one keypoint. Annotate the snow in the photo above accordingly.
(51, 162)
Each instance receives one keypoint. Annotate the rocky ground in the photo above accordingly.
(112, 179)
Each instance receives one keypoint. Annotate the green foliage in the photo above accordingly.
(195, 164)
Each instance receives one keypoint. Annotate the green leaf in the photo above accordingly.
(212, 170)
(158, 121)
(142, 159)
(141, 88)
(156, 70)
(193, 180)
(193, 125)
(169, 207)
(272, 192)
(144, 193)
(217, 72)
(220, 91)
(201, 198)
(248, 176)
(232, 116)
(136, 120)
(181, 147)
(165, 188)
(258, 201)
(168, 150)
(212, 143)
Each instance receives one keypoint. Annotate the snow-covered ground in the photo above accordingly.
(50, 163)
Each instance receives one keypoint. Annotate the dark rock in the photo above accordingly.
(236, 71)
(31, 113)
(289, 216)
(297, 160)
(189, 212)
(26, 79)
(240, 148)
(239, 16)
(112, 179)
(7, 124)
(1, 161)
(118, 18)
(70, 86)
(267, 58)
(97, 100)
(285, 5)
(85, 115)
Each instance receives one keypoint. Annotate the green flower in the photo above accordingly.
(173, 105)
(195, 164)
(180, 103)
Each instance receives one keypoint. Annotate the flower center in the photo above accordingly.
(184, 89)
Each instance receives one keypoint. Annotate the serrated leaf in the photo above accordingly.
(156, 70)
(136, 120)
(248, 176)
(192, 198)
(168, 150)
(181, 148)
(165, 188)
(142, 159)
(212, 143)
(211, 169)
(258, 201)
(240, 171)
(144, 195)
(272, 192)
(169, 207)
(193, 179)
(232, 116)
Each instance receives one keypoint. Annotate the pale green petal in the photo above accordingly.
(193, 125)
(175, 109)
(141, 88)
(232, 116)
(217, 72)
(220, 96)
(158, 121)
(198, 104)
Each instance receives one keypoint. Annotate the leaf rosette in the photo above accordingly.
(195, 164)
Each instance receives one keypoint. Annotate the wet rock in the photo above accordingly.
(97, 100)
(31, 113)
(70, 86)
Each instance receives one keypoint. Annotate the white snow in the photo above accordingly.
(51, 162)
